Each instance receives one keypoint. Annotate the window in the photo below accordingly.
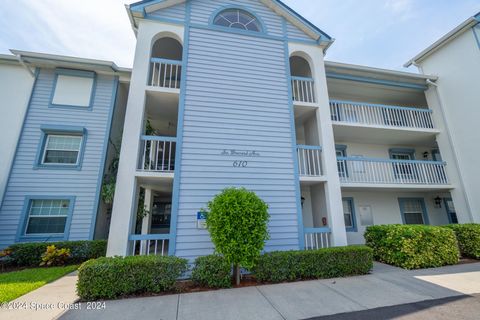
(413, 211)
(47, 216)
(403, 169)
(341, 152)
(62, 149)
(237, 19)
(349, 215)
(73, 88)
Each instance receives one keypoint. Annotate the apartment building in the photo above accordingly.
(223, 94)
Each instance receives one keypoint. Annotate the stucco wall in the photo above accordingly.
(386, 209)
(15, 88)
(457, 65)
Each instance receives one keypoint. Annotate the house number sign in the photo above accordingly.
(240, 153)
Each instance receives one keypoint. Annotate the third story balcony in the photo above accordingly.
(385, 124)
(165, 74)
(364, 172)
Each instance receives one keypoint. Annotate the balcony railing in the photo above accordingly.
(149, 244)
(165, 73)
(317, 238)
(303, 90)
(381, 115)
(157, 154)
(383, 171)
(309, 160)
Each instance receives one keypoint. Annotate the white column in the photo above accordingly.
(148, 203)
(333, 193)
(124, 204)
(447, 149)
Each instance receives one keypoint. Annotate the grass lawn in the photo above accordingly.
(17, 283)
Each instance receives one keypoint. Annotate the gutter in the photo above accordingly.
(469, 23)
(22, 62)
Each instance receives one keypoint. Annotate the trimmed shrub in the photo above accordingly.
(413, 246)
(283, 266)
(30, 254)
(212, 271)
(109, 278)
(237, 220)
(468, 237)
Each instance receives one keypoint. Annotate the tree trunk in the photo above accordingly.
(237, 274)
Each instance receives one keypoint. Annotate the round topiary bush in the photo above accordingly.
(237, 221)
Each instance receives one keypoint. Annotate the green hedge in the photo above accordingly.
(468, 237)
(30, 254)
(212, 271)
(413, 246)
(109, 278)
(283, 266)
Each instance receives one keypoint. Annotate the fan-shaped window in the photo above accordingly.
(237, 18)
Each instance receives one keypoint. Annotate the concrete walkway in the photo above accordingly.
(45, 303)
(386, 286)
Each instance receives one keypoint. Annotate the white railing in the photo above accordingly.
(157, 154)
(149, 244)
(165, 73)
(303, 90)
(309, 160)
(381, 115)
(382, 171)
(317, 238)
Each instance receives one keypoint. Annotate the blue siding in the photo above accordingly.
(176, 12)
(202, 10)
(236, 98)
(27, 181)
(295, 33)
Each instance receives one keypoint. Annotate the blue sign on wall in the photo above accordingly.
(201, 220)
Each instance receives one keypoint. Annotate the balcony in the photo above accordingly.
(310, 163)
(149, 244)
(303, 90)
(157, 154)
(317, 238)
(380, 115)
(381, 124)
(383, 172)
(165, 73)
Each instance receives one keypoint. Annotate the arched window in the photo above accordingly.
(237, 18)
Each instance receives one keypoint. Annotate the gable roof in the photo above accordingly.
(466, 25)
(141, 8)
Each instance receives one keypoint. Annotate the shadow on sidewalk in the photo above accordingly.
(459, 307)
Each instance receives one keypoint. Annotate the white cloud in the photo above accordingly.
(90, 28)
(403, 9)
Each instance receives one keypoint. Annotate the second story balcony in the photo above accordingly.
(157, 154)
(310, 164)
(371, 171)
(376, 115)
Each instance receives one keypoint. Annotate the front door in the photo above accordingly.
(451, 212)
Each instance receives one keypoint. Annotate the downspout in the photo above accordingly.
(450, 140)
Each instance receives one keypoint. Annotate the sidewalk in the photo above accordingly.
(45, 303)
(386, 286)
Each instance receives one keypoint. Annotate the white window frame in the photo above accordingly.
(44, 153)
(29, 216)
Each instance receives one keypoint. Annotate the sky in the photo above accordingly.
(377, 33)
